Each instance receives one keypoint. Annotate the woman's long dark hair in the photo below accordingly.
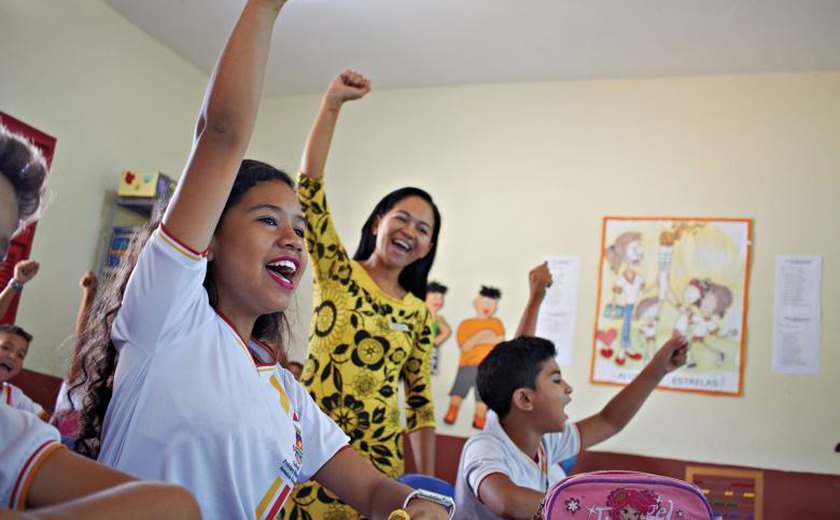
(97, 359)
(415, 276)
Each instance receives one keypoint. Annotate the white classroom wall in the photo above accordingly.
(527, 170)
(519, 172)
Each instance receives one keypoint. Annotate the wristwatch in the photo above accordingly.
(422, 494)
(16, 285)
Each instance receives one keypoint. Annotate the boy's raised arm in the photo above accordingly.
(539, 279)
(623, 407)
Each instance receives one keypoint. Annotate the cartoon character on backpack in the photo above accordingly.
(632, 504)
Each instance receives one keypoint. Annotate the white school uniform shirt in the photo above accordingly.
(25, 443)
(492, 451)
(190, 406)
(13, 396)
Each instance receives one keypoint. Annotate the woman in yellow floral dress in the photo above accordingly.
(370, 325)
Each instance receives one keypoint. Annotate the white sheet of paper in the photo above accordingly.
(797, 314)
(558, 312)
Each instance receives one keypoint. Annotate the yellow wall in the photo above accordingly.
(115, 99)
(522, 171)
(519, 171)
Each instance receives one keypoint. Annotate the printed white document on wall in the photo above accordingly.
(558, 312)
(797, 315)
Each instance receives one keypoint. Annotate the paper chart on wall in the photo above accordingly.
(796, 314)
(558, 311)
(660, 275)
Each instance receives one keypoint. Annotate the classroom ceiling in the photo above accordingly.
(426, 43)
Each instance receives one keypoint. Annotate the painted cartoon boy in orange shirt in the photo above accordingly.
(476, 338)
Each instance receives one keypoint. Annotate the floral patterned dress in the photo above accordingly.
(360, 342)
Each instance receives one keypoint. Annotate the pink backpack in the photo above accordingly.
(619, 495)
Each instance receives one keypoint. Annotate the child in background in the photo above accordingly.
(506, 470)
(14, 345)
(66, 414)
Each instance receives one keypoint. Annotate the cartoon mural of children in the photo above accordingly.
(435, 299)
(647, 311)
(627, 250)
(632, 504)
(704, 303)
(713, 305)
(692, 294)
(476, 338)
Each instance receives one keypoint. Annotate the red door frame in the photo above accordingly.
(21, 244)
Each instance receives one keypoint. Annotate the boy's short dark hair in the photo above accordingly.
(490, 292)
(436, 287)
(511, 365)
(17, 331)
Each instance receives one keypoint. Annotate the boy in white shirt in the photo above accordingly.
(506, 469)
(14, 345)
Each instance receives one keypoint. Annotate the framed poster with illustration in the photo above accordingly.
(658, 275)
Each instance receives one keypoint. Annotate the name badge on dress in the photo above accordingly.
(402, 327)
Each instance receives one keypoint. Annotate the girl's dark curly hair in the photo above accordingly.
(24, 167)
(97, 359)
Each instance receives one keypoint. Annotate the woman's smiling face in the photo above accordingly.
(404, 233)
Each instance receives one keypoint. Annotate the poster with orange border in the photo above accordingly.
(658, 275)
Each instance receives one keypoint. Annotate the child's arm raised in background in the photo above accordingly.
(224, 127)
(88, 284)
(24, 271)
(621, 408)
(539, 279)
(347, 86)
